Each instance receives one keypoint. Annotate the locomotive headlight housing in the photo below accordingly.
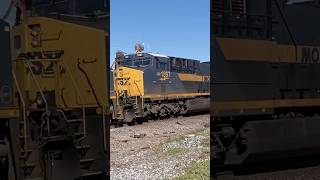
(35, 32)
(36, 35)
(39, 101)
(35, 42)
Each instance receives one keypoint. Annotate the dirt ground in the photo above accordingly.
(161, 149)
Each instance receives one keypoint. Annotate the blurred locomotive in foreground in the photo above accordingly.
(53, 92)
(266, 81)
(155, 86)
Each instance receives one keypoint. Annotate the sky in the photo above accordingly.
(170, 27)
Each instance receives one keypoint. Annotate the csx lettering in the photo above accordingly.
(164, 75)
(123, 81)
(310, 55)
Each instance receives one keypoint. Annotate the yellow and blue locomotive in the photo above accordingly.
(152, 86)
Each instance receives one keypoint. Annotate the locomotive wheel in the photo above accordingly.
(131, 123)
(129, 116)
(140, 120)
(120, 124)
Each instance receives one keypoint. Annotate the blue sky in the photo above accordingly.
(171, 27)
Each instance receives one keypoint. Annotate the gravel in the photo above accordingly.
(190, 142)
(141, 151)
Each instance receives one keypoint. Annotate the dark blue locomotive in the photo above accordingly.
(149, 85)
(265, 85)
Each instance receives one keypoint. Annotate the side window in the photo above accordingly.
(161, 64)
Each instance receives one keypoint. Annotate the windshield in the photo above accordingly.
(126, 63)
(135, 62)
(141, 62)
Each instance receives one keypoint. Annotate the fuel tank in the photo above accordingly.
(268, 140)
(198, 105)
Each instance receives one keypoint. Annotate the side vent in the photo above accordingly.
(234, 7)
(217, 7)
(238, 7)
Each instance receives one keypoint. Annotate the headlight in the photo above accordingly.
(35, 42)
(36, 35)
(34, 32)
(39, 101)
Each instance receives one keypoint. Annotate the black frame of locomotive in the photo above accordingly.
(265, 80)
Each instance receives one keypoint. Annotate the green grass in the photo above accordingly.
(205, 150)
(176, 151)
(198, 170)
(177, 138)
(182, 137)
(202, 132)
(206, 142)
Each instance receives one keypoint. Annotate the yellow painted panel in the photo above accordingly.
(267, 51)
(79, 77)
(256, 50)
(9, 112)
(192, 77)
(129, 80)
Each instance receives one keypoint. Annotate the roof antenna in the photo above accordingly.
(139, 49)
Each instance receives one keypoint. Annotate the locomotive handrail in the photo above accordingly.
(23, 110)
(78, 95)
(84, 124)
(138, 88)
(41, 93)
(89, 82)
(38, 85)
(104, 127)
(73, 81)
